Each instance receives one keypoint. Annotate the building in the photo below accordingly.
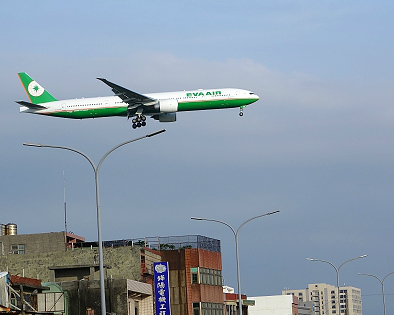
(325, 299)
(71, 265)
(123, 297)
(14, 244)
(195, 264)
(305, 308)
(51, 258)
(231, 301)
(277, 304)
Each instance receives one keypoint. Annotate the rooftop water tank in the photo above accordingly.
(11, 229)
(2, 229)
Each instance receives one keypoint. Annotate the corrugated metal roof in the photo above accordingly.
(139, 287)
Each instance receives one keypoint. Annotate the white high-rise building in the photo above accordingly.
(325, 301)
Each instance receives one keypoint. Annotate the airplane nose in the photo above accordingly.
(254, 96)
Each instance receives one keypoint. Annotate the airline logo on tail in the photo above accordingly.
(35, 92)
(35, 89)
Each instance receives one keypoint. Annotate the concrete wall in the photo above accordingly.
(85, 295)
(35, 243)
(273, 305)
(121, 295)
(124, 263)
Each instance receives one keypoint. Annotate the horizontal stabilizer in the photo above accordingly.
(30, 105)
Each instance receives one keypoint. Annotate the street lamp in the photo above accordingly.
(337, 270)
(96, 172)
(382, 283)
(236, 248)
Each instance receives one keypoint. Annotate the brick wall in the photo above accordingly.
(183, 292)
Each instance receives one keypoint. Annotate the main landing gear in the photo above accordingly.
(139, 121)
(241, 113)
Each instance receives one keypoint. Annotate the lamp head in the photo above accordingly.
(155, 133)
(32, 144)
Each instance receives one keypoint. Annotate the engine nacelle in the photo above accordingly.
(165, 117)
(167, 106)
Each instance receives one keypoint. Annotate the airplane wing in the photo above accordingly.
(30, 105)
(134, 99)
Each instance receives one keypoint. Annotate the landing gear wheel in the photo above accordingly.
(241, 114)
(139, 121)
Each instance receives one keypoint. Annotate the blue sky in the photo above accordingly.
(317, 145)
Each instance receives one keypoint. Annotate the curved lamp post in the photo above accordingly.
(337, 270)
(382, 283)
(235, 232)
(96, 173)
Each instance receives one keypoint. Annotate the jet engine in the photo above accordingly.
(165, 117)
(167, 106)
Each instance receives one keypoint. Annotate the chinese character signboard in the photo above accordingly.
(162, 288)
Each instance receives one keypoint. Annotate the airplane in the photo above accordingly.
(159, 106)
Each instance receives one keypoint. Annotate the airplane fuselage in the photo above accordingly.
(178, 101)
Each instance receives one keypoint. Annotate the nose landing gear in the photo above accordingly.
(241, 113)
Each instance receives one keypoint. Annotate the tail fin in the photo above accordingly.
(36, 93)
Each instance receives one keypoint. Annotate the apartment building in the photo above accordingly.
(325, 299)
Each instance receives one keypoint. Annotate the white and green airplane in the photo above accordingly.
(160, 106)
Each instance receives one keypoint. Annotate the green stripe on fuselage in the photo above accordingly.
(91, 113)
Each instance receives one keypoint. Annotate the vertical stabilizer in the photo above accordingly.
(36, 93)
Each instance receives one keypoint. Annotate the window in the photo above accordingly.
(196, 308)
(18, 249)
(211, 308)
(210, 276)
(13, 299)
(194, 275)
(206, 276)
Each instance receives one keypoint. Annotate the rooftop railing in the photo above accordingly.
(160, 243)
